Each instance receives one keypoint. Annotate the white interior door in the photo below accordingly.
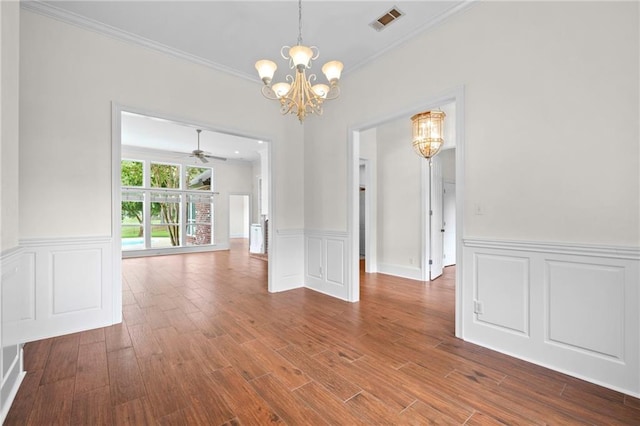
(436, 214)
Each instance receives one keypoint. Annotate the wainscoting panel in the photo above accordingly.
(315, 259)
(16, 297)
(594, 320)
(76, 273)
(572, 308)
(502, 292)
(72, 290)
(287, 257)
(335, 261)
(326, 263)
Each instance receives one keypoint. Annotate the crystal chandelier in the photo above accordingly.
(299, 95)
(428, 129)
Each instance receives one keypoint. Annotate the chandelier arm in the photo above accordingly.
(333, 93)
(284, 52)
(316, 52)
(268, 93)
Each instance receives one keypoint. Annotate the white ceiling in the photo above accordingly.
(140, 132)
(232, 35)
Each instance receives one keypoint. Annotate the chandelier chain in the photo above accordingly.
(299, 22)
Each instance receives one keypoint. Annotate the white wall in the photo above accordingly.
(11, 269)
(231, 177)
(551, 161)
(448, 160)
(239, 216)
(9, 76)
(534, 78)
(399, 200)
(70, 76)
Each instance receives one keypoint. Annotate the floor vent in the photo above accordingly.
(386, 19)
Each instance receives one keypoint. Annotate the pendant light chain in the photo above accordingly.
(299, 22)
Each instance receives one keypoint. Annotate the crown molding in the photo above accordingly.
(51, 11)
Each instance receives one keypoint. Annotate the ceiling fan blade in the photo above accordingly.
(213, 157)
(203, 158)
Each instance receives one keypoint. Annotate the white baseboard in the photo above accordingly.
(412, 273)
(11, 382)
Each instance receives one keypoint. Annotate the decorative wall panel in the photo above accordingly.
(585, 306)
(502, 291)
(326, 266)
(572, 308)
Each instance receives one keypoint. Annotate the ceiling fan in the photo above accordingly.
(201, 155)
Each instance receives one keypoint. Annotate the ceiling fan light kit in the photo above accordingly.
(299, 95)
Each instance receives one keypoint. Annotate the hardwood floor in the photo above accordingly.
(202, 342)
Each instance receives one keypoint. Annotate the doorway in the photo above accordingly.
(413, 266)
(233, 161)
(239, 215)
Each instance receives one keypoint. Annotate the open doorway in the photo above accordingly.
(239, 216)
(400, 186)
(188, 210)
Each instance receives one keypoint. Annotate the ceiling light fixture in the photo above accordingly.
(298, 95)
(428, 131)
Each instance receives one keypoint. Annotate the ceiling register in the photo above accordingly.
(299, 95)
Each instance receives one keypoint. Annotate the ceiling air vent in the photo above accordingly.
(386, 19)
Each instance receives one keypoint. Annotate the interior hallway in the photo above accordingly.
(203, 342)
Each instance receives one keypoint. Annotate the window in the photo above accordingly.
(163, 208)
(132, 218)
(199, 206)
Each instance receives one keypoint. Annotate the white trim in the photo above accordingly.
(290, 232)
(616, 252)
(63, 241)
(412, 273)
(51, 11)
(127, 254)
(329, 233)
(11, 383)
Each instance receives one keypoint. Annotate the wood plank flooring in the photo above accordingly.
(203, 343)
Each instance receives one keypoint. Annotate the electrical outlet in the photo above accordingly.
(478, 210)
(411, 260)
